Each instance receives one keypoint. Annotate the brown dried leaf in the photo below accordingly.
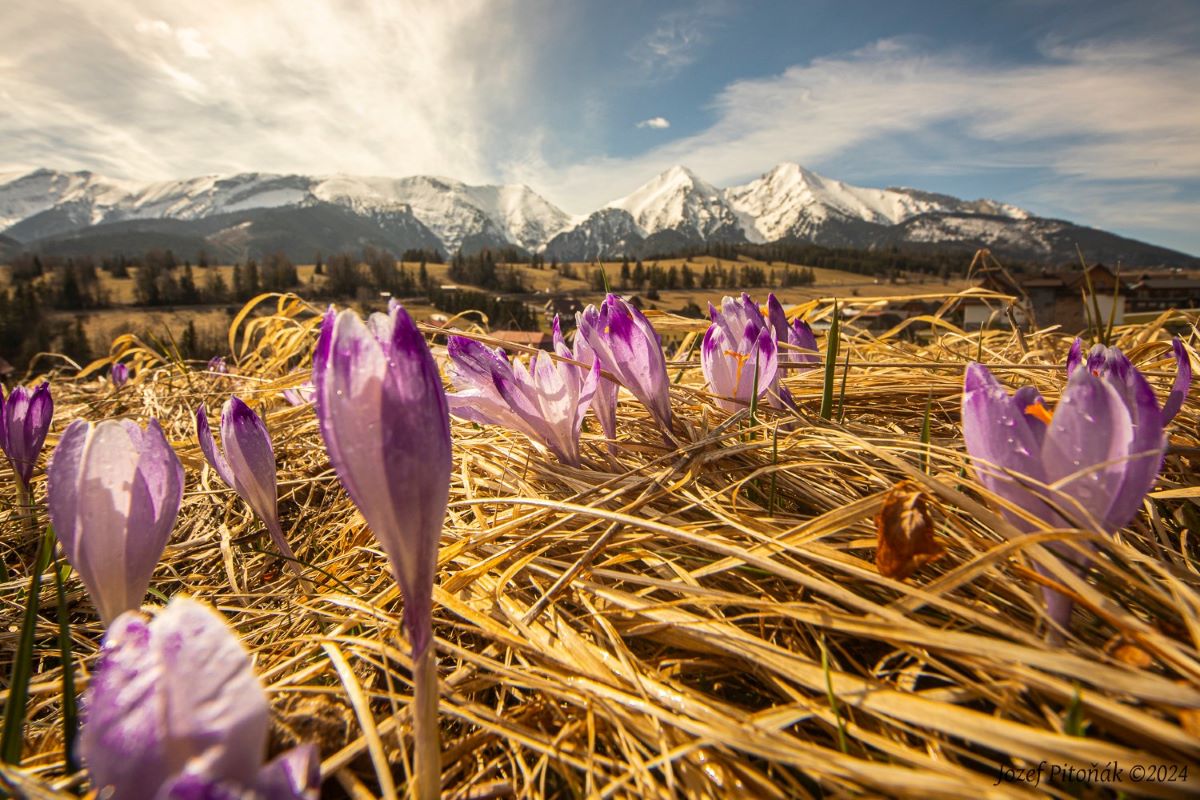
(905, 530)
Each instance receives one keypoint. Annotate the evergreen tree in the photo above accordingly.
(188, 293)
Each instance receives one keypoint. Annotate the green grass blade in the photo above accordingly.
(70, 709)
(18, 693)
(842, 391)
(831, 353)
(833, 703)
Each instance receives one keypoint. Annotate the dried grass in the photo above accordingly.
(702, 621)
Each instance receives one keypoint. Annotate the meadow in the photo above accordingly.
(696, 616)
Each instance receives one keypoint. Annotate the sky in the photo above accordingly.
(1085, 111)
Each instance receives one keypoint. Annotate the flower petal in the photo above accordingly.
(215, 711)
(1003, 446)
(251, 458)
(208, 447)
(1086, 444)
(1183, 381)
(123, 741)
(294, 775)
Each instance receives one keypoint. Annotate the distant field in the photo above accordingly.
(211, 321)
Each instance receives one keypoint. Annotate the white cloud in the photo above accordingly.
(659, 123)
(676, 39)
(1089, 113)
(171, 89)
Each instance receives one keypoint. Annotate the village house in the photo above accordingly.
(1050, 299)
(1159, 291)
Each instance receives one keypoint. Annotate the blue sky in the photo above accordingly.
(1082, 110)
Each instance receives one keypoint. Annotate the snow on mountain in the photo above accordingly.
(207, 196)
(793, 201)
(675, 210)
(455, 211)
(27, 194)
(679, 200)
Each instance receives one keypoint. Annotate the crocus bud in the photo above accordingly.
(738, 353)
(546, 402)
(24, 420)
(174, 711)
(382, 413)
(630, 349)
(248, 464)
(113, 492)
(119, 374)
(217, 364)
(1090, 463)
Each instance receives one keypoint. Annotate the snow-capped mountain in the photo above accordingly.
(41, 204)
(250, 213)
(678, 200)
(791, 201)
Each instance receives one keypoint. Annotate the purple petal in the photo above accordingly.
(123, 741)
(630, 349)
(191, 786)
(778, 318)
(383, 416)
(720, 371)
(294, 775)
(1003, 444)
(209, 447)
(1074, 356)
(1086, 445)
(1147, 446)
(216, 714)
(27, 418)
(1183, 381)
(251, 458)
(604, 399)
(801, 335)
(1096, 357)
(114, 493)
(119, 374)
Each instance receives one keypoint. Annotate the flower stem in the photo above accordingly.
(427, 757)
(293, 563)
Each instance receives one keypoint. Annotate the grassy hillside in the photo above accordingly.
(702, 618)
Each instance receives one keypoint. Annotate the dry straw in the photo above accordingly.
(705, 621)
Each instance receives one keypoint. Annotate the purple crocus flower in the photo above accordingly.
(24, 420)
(629, 348)
(1089, 463)
(217, 364)
(248, 464)
(174, 711)
(546, 402)
(119, 374)
(382, 412)
(604, 400)
(113, 492)
(738, 353)
(797, 334)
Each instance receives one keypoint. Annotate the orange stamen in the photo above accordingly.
(1038, 411)
(742, 358)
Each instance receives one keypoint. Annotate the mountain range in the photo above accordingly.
(251, 214)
